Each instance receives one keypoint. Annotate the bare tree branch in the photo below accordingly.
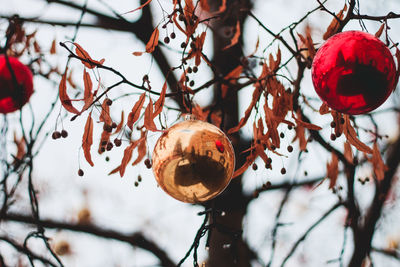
(135, 239)
(26, 251)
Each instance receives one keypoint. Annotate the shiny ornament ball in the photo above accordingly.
(354, 72)
(193, 161)
(14, 92)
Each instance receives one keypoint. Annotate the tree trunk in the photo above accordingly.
(227, 247)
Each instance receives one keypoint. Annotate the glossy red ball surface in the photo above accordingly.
(354, 72)
(14, 95)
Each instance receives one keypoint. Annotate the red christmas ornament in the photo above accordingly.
(14, 93)
(193, 161)
(353, 72)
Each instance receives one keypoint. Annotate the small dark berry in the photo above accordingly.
(109, 102)
(117, 142)
(283, 170)
(195, 69)
(305, 173)
(147, 163)
(268, 184)
(290, 127)
(282, 135)
(189, 70)
(166, 40)
(173, 35)
(107, 128)
(290, 148)
(333, 124)
(102, 149)
(109, 146)
(333, 137)
(255, 167)
(136, 184)
(57, 134)
(113, 125)
(54, 135)
(145, 77)
(183, 45)
(338, 134)
(103, 143)
(107, 158)
(80, 172)
(139, 178)
(64, 134)
(273, 147)
(181, 17)
(191, 83)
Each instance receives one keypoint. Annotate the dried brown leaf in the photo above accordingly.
(324, 109)
(337, 118)
(127, 157)
(115, 170)
(20, 143)
(335, 24)
(135, 112)
(89, 63)
(307, 125)
(234, 74)
(272, 125)
(332, 169)
(351, 136)
(249, 160)
(256, 96)
(300, 135)
(148, 117)
(53, 49)
(142, 6)
(153, 42)
(159, 104)
(120, 124)
(348, 153)
(87, 139)
(380, 31)
(204, 5)
(65, 100)
(310, 45)
(105, 113)
(88, 95)
(142, 148)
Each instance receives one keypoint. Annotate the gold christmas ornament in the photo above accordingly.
(193, 161)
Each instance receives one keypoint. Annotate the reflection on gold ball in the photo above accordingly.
(193, 161)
